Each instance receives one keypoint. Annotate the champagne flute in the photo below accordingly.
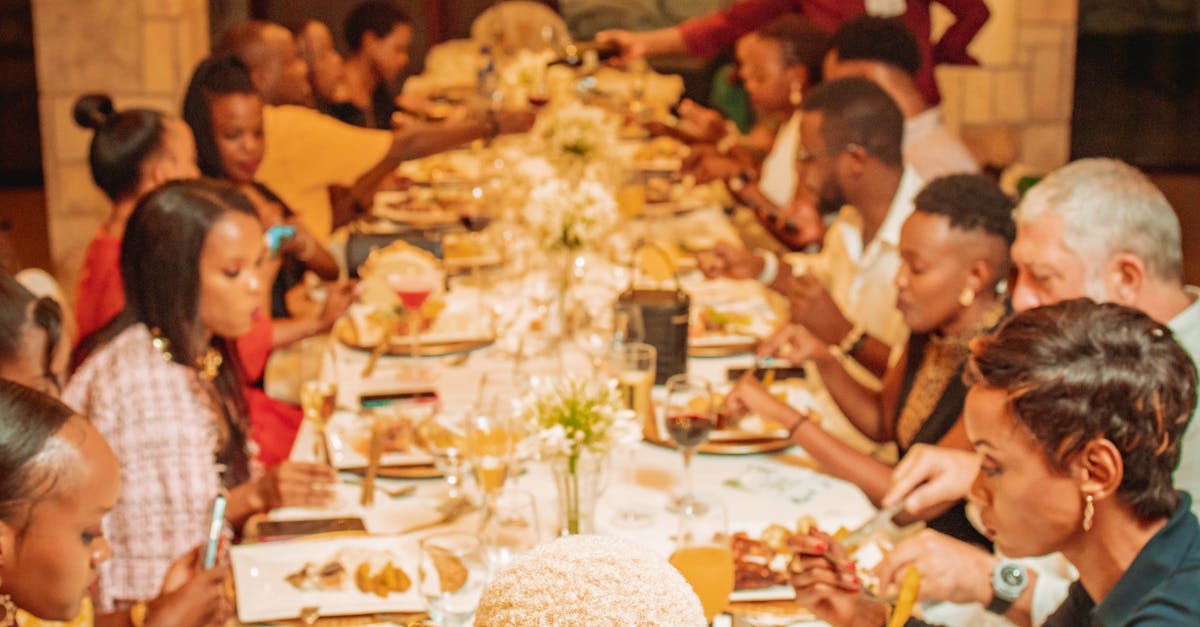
(703, 555)
(451, 575)
(489, 440)
(689, 419)
(444, 437)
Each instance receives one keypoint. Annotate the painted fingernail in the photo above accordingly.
(851, 566)
(820, 547)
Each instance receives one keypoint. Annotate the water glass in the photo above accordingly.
(451, 576)
(510, 528)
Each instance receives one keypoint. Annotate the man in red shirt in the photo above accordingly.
(706, 35)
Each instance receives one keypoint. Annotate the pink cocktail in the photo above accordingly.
(413, 290)
(413, 299)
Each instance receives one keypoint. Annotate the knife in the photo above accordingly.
(873, 524)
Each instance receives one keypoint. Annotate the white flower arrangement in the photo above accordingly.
(574, 415)
(577, 138)
(570, 216)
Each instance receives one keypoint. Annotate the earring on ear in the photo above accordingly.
(1089, 510)
(967, 296)
(795, 94)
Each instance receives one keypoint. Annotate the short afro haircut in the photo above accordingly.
(972, 202)
(855, 110)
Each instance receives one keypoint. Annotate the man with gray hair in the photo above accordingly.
(1096, 228)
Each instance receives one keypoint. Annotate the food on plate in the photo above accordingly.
(327, 576)
(708, 320)
(387, 580)
(457, 246)
(451, 572)
(660, 189)
(396, 429)
(661, 148)
(375, 572)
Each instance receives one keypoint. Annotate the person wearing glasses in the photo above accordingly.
(850, 156)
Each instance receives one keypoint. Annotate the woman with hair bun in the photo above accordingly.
(132, 152)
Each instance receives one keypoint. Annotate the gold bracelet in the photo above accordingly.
(137, 614)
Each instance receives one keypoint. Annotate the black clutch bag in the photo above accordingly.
(665, 319)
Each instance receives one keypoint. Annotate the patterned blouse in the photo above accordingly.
(160, 419)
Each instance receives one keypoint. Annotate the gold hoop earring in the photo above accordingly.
(967, 296)
(1089, 510)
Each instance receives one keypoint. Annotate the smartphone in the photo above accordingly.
(278, 235)
(216, 526)
(782, 373)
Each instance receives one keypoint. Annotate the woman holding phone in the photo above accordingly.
(161, 383)
(224, 110)
(59, 476)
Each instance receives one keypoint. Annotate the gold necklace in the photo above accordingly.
(208, 364)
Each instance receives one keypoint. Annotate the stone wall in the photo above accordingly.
(1016, 107)
(141, 52)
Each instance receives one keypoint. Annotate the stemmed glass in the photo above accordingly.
(703, 555)
(592, 322)
(444, 437)
(489, 433)
(451, 576)
(689, 419)
(413, 290)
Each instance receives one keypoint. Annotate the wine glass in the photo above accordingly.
(689, 419)
(510, 528)
(451, 576)
(444, 438)
(703, 555)
(413, 290)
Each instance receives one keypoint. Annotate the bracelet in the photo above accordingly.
(796, 427)
(137, 614)
(853, 341)
(770, 267)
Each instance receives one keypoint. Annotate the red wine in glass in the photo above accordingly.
(689, 429)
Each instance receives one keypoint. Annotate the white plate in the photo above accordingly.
(344, 426)
(774, 593)
(263, 594)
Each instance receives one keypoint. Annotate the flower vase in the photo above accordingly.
(578, 481)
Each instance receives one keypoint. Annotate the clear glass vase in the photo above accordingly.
(579, 481)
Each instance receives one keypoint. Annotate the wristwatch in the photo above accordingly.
(1008, 582)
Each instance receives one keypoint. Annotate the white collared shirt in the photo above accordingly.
(861, 279)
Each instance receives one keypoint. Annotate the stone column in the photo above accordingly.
(140, 52)
(1016, 107)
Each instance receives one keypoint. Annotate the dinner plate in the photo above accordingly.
(429, 344)
(772, 613)
(346, 430)
(263, 594)
(742, 447)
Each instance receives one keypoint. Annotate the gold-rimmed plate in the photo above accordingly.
(739, 447)
(426, 347)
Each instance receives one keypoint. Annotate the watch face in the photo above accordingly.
(1012, 575)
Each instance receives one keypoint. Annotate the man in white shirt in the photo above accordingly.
(886, 52)
(850, 136)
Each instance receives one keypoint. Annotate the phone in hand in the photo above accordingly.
(278, 235)
(216, 526)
